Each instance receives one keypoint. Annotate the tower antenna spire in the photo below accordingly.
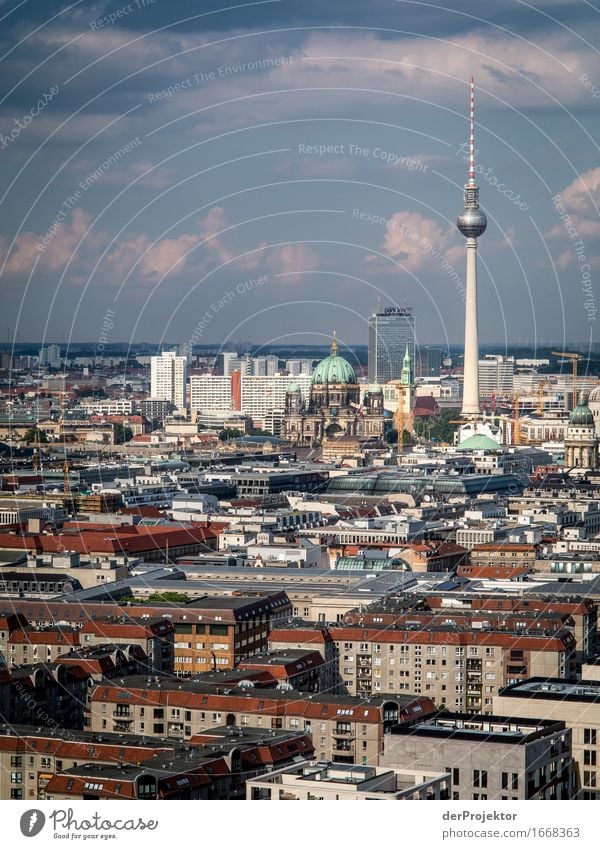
(472, 135)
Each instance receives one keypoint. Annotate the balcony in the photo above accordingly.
(341, 732)
(123, 717)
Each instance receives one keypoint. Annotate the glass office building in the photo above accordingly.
(390, 333)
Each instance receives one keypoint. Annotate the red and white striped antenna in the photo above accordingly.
(472, 135)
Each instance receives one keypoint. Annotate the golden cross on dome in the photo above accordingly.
(334, 346)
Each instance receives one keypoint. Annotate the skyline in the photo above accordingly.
(154, 165)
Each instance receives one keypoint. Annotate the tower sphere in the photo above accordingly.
(471, 222)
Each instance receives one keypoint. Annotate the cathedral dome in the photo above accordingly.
(334, 369)
(581, 415)
(293, 387)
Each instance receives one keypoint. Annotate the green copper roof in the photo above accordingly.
(582, 415)
(292, 387)
(334, 369)
(479, 442)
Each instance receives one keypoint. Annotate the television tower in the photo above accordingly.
(472, 223)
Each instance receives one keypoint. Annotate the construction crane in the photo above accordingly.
(539, 410)
(574, 360)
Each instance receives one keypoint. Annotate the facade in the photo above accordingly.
(578, 706)
(496, 375)
(459, 668)
(336, 408)
(343, 729)
(581, 442)
(390, 334)
(210, 392)
(263, 395)
(488, 758)
(168, 377)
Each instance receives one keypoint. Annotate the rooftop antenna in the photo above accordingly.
(472, 135)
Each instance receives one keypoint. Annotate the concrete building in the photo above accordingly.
(328, 782)
(488, 758)
(168, 376)
(391, 332)
(577, 705)
(344, 729)
(496, 375)
(458, 667)
(210, 392)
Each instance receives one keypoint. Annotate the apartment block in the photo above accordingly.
(488, 757)
(461, 669)
(343, 729)
(575, 704)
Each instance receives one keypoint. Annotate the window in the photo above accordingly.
(589, 736)
(455, 776)
(16, 761)
(480, 778)
(218, 630)
(515, 781)
(16, 793)
(589, 757)
(16, 778)
(505, 781)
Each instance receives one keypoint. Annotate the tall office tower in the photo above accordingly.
(225, 362)
(391, 332)
(168, 375)
(259, 365)
(272, 364)
(496, 375)
(472, 223)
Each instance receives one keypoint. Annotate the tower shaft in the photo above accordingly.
(470, 404)
(471, 223)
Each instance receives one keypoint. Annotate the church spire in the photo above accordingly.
(407, 374)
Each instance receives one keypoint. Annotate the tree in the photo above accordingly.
(35, 435)
(230, 433)
(170, 595)
(122, 434)
(437, 428)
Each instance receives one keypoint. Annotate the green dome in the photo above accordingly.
(375, 389)
(334, 369)
(582, 415)
(479, 442)
(293, 387)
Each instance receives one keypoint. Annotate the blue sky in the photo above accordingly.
(158, 156)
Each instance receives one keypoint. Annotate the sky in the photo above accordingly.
(274, 171)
